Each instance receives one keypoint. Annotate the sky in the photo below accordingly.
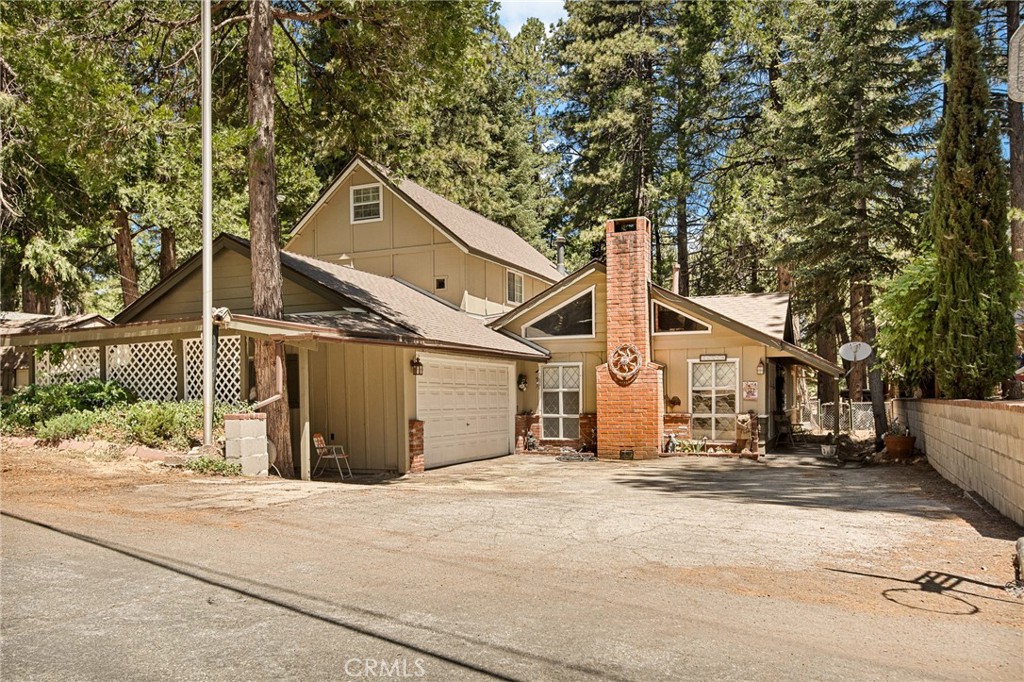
(514, 13)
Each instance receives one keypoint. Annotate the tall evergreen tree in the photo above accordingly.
(855, 103)
(977, 284)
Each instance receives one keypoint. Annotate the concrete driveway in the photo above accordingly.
(520, 568)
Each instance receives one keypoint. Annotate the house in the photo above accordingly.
(17, 368)
(416, 331)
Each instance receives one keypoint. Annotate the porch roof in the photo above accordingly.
(303, 329)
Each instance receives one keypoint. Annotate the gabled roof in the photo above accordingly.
(768, 313)
(374, 306)
(760, 326)
(471, 231)
(593, 266)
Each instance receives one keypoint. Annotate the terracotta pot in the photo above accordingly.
(900, 447)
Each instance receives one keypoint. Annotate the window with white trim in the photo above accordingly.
(574, 319)
(366, 203)
(561, 387)
(669, 321)
(713, 399)
(514, 283)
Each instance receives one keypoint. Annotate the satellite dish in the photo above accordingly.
(854, 351)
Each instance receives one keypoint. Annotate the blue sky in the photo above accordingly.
(514, 13)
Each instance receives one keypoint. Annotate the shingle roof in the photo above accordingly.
(419, 313)
(480, 234)
(763, 312)
(13, 322)
(471, 230)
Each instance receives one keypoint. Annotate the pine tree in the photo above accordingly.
(610, 55)
(977, 283)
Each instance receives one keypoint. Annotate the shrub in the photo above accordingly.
(214, 465)
(68, 425)
(35, 404)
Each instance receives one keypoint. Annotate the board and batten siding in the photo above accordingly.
(359, 393)
(404, 244)
(588, 352)
(232, 288)
(675, 351)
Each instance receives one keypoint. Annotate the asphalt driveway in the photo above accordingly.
(519, 568)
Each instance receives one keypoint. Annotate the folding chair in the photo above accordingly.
(325, 453)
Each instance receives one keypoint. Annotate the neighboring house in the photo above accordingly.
(416, 331)
(17, 368)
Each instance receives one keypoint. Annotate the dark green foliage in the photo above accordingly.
(906, 310)
(977, 284)
(33, 405)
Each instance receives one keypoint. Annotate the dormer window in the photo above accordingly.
(367, 206)
(515, 287)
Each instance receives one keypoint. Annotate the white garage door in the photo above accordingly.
(466, 408)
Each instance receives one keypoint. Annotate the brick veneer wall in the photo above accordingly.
(975, 444)
(530, 423)
(415, 446)
(630, 414)
(677, 423)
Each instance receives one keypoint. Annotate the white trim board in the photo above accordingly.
(592, 290)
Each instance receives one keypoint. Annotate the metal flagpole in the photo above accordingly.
(208, 339)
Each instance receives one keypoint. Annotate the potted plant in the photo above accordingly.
(898, 441)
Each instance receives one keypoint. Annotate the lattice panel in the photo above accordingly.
(227, 386)
(147, 369)
(78, 364)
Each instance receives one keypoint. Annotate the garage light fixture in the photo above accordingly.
(760, 367)
(417, 367)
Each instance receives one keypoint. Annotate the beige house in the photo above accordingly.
(416, 331)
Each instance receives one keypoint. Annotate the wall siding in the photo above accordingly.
(232, 288)
(404, 244)
(357, 393)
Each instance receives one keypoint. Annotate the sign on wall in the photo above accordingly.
(750, 390)
(715, 357)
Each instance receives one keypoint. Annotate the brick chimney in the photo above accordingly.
(630, 402)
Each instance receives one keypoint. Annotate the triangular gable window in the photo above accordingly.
(668, 321)
(575, 318)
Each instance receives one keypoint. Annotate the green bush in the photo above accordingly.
(33, 405)
(214, 465)
(69, 425)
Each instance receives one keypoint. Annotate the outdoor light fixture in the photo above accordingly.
(417, 367)
(760, 367)
(521, 383)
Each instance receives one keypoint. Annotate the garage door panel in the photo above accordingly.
(466, 409)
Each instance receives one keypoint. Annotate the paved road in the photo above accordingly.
(521, 568)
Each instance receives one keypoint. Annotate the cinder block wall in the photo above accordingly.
(977, 445)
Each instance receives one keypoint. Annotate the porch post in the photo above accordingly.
(178, 346)
(103, 362)
(304, 413)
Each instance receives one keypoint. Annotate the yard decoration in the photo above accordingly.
(898, 442)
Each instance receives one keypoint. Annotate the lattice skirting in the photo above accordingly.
(228, 383)
(147, 369)
(76, 365)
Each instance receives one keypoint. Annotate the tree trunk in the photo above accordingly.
(875, 374)
(168, 251)
(126, 268)
(1016, 115)
(825, 342)
(33, 301)
(263, 229)
(682, 241)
